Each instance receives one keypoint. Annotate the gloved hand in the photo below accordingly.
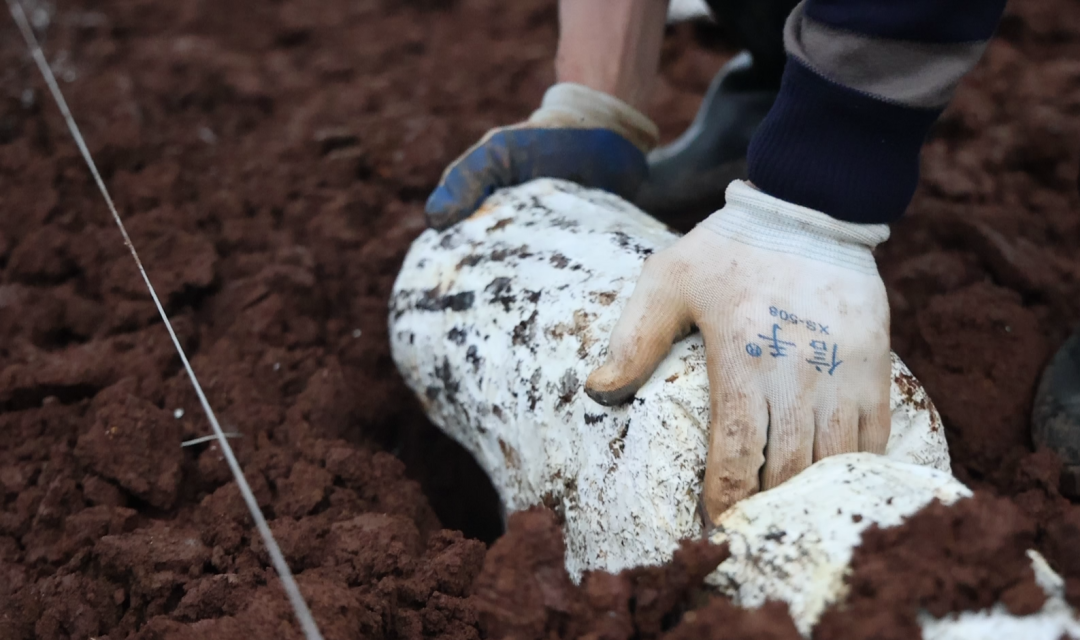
(577, 134)
(796, 328)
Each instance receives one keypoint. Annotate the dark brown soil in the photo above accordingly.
(965, 557)
(524, 590)
(272, 159)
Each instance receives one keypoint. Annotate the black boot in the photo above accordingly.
(1055, 421)
(687, 178)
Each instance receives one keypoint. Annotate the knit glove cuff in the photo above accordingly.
(576, 106)
(760, 220)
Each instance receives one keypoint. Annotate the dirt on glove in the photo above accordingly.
(272, 160)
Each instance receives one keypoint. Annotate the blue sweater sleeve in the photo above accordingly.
(864, 82)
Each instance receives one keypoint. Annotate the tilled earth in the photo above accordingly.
(272, 160)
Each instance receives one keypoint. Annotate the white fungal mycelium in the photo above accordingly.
(495, 325)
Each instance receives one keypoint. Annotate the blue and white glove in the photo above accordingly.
(577, 134)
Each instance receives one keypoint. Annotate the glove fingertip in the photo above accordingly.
(604, 391)
(440, 210)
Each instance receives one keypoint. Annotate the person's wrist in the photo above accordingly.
(758, 219)
(571, 105)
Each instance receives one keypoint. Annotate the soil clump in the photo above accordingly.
(272, 161)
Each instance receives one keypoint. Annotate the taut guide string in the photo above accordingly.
(303, 614)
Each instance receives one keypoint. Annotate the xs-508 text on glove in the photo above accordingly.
(796, 327)
(577, 134)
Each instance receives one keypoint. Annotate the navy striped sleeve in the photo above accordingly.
(864, 82)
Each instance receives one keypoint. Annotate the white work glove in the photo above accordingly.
(796, 328)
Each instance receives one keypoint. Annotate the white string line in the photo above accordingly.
(202, 439)
(303, 614)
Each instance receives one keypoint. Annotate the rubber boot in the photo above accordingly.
(687, 178)
(1055, 420)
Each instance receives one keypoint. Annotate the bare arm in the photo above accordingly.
(611, 46)
(589, 128)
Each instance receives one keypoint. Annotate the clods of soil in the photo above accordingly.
(272, 160)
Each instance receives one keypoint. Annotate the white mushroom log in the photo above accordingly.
(795, 542)
(496, 323)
